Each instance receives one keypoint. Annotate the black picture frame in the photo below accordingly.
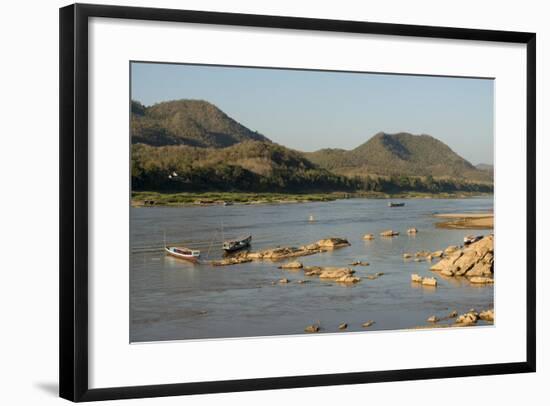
(73, 254)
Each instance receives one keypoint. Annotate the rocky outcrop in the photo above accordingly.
(276, 254)
(292, 265)
(474, 262)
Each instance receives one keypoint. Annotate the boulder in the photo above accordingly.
(343, 326)
(332, 243)
(368, 237)
(422, 254)
(437, 254)
(487, 315)
(389, 233)
(452, 314)
(314, 328)
(283, 281)
(335, 273)
(416, 278)
(367, 324)
(480, 269)
(429, 281)
(406, 255)
(481, 280)
(412, 231)
(432, 319)
(292, 265)
(348, 279)
(468, 318)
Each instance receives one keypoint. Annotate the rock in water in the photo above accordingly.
(389, 233)
(406, 255)
(343, 326)
(432, 319)
(487, 315)
(429, 281)
(283, 281)
(416, 278)
(412, 231)
(368, 237)
(467, 318)
(292, 265)
(481, 280)
(332, 243)
(367, 323)
(314, 328)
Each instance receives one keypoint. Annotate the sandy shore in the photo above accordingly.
(481, 221)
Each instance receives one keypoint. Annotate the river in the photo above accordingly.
(171, 299)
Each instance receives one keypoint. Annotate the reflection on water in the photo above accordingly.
(171, 299)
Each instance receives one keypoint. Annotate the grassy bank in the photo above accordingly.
(146, 199)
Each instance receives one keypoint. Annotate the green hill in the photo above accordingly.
(187, 122)
(401, 154)
(248, 166)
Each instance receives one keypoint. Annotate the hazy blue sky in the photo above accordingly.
(309, 110)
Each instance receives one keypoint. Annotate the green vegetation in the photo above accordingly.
(188, 147)
(400, 154)
(187, 122)
(140, 199)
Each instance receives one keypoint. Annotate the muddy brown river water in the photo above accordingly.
(171, 299)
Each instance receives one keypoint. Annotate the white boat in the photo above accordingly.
(183, 253)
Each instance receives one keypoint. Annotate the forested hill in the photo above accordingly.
(400, 154)
(191, 145)
(187, 122)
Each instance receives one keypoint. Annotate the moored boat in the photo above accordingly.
(392, 204)
(183, 253)
(237, 244)
(469, 239)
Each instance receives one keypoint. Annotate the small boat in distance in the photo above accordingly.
(237, 244)
(183, 253)
(392, 204)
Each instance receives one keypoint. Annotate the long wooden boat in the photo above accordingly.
(237, 244)
(183, 253)
(392, 204)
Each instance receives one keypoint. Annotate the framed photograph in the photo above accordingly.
(257, 202)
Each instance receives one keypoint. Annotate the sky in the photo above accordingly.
(310, 110)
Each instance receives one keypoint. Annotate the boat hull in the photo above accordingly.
(189, 258)
(237, 245)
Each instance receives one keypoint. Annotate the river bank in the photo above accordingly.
(460, 221)
(182, 199)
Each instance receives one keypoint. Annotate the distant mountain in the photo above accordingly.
(485, 167)
(401, 154)
(187, 122)
(191, 145)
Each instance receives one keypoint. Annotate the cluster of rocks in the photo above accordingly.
(469, 318)
(279, 253)
(475, 262)
(315, 328)
(335, 274)
(472, 317)
(390, 233)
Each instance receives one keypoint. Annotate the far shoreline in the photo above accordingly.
(193, 199)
